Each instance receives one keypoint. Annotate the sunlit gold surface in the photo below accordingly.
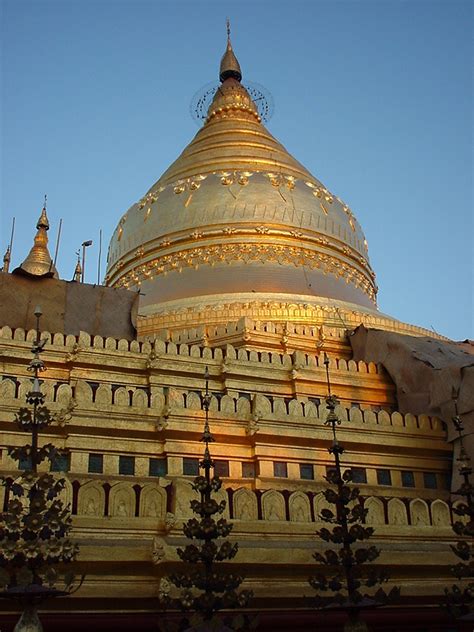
(39, 262)
(236, 197)
(229, 65)
(116, 397)
(251, 267)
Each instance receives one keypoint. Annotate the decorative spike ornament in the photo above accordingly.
(230, 67)
(352, 563)
(206, 589)
(34, 528)
(459, 598)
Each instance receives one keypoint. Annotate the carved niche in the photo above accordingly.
(183, 493)
(122, 501)
(420, 516)
(273, 506)
(440, 514)
(91, 499)
(152, 501)
(300, 509)
(375, 511)
(397, 513)
(321, 503)
(245, 505)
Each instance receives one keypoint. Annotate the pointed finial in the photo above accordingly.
(43, 221)
(39, 262)
(326, 364)
(8, 254)
(230, 67)
(6, 260)
(78, 268)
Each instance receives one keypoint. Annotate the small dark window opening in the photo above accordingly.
(408, 479)
(96, 463)
(221, 468)
(306, 471)
(157, 467)
(61, 463)
(384, 477)
(190, 466)
(248, 470)
(359, 474)
(429, 480)
(280, 469)
(127, 465)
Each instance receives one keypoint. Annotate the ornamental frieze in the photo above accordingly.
(262, 230)
(246, 253)
(242, 178)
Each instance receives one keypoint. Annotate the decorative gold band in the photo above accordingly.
(246, 253)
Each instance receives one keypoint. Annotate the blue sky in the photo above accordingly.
(373, 97)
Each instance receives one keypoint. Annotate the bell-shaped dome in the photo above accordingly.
(236, 218)
(38, 263)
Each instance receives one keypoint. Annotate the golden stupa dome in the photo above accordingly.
(237, 218)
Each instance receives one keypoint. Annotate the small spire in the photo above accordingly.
(38, 262)
(78, 268)
(6, 260)
(8, 254)
(43, 221)
(230, 67)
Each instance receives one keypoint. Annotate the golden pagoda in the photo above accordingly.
(248, 265)
(38, 263)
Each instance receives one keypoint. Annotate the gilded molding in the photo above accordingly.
(246, 252)
(274, 312)
(183, 240)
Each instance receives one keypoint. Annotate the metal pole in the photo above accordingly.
(100, 255)
(85, 244)
(57, 242)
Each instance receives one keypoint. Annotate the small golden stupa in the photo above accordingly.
(38, 263)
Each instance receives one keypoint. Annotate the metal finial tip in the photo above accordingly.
(38, 311)
(45, 201)
(228, 28)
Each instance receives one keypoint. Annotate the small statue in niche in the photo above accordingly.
(91, 509)
(122, 508)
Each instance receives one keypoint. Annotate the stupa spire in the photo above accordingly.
(38, 262)
(6, 260)
(78, 269)
(230, 66)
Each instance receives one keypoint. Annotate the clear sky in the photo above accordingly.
(373, 97)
